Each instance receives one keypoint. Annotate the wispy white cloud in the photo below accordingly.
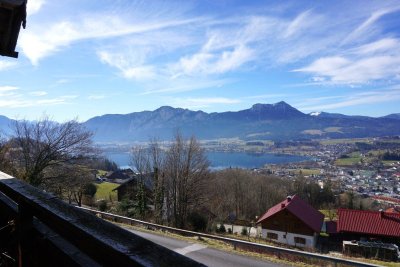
(129, 65)
(366, 25)
(172, 50)
(38, 93)
(44, 40)
(265, 41)
(8, 88)
(208, 63)
(63, 81)
(298, 24)
(350, 100)
(228, 46)
(341, 70)
(52, 101)
(34, 6)
(367, 54)
(327, 65)
(387, 45)
(24, 101)
(5, 65)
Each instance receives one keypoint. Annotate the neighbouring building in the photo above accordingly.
(129, 188)
(121, 175)
(369, 225)
(292, 222)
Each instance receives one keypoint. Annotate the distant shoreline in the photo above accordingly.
(223, 160)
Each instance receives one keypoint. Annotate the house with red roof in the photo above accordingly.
(369, 225)
(292, 222)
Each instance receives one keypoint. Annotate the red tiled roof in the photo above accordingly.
(369, 222)
(307, 214)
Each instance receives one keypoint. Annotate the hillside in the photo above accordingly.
(278, 121)
(5, 125)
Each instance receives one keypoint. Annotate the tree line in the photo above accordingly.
(56, 157)
(184, 188)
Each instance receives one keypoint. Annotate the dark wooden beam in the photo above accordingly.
(12, 16)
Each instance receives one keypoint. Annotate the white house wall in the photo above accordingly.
(289, 239)
(237, 229)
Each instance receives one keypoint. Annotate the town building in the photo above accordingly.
(365, 225)
(292, 222)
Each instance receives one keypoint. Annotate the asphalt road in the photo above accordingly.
(203, 254)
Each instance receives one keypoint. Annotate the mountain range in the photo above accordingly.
(278, 121)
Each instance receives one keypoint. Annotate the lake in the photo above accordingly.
(222, 160)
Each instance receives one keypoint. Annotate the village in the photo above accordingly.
(366, 188)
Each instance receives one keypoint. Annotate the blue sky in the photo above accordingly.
(87, 58)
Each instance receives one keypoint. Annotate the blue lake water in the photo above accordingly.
(221, 160)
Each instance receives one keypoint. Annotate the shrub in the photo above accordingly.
(127, 207)
(221, 228)
(197, 221)
(90, 190)
(102, 205)
(244, 230)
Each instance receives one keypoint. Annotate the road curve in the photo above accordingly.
(203, 254)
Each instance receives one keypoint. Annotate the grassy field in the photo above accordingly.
(313, 132)
(333, 130)
(102, 173)
(104, 191)
(347, 161)
(345, 141)
(353, 159)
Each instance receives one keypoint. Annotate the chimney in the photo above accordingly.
(381, 213)
(289, 198)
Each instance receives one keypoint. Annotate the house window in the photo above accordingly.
(272, 236)
(299, 240)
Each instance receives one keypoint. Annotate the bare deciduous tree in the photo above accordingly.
(68, 181)
(6, 163)
(244, 194)
(157, 163)
(187, 174)
(148, 162)
(44, 143)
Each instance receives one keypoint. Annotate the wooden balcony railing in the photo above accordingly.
(38, 229)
